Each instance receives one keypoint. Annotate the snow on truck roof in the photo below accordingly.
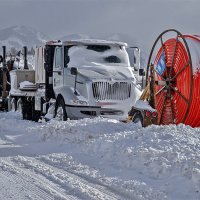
(86, 42)
(93, 41)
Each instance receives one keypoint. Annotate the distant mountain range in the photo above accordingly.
(19, 36)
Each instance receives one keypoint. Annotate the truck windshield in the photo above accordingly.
(97, 55)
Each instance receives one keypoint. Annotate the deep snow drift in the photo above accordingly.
(97, 159)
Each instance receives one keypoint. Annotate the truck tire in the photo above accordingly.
(26, 109)
(60, 110)
(36, 115)
(137, 118)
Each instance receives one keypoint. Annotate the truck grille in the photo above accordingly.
(111, 91)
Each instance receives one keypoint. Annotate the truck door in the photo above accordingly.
(58, 68)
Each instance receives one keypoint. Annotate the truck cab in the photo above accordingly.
(92, 78)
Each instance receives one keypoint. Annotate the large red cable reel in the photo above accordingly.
(176, 80)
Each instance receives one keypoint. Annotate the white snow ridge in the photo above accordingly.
(100, 159)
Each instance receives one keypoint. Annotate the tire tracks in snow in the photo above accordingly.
(82, 187)
(20, 188)
(98, 181)
(35, 185)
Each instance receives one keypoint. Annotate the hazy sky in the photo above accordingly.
(142, 19)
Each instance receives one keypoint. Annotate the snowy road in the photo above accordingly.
(34, 179)
(97, 159)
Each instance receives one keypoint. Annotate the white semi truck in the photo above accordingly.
(76, 79)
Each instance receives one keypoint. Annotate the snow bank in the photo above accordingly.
(157, 162)
(165, 158)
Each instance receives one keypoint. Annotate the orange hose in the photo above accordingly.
(172, 103)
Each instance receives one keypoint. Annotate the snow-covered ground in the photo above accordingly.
(97, 159)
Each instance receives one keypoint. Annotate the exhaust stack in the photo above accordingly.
(4, 57)
(25, 58)
(4, 75)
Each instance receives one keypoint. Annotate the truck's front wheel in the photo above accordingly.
(60, 110)
(137, 118)
(26, 109)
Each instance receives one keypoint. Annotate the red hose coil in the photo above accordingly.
(173, 104)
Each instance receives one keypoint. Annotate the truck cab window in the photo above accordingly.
(66, 57)
(58, 58)
(98, 48)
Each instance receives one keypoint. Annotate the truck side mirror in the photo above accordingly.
(134, 59)
(135, 54)
(74, 71)
(141, 72)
